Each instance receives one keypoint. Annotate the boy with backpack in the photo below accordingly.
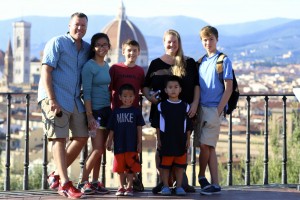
(214, 95)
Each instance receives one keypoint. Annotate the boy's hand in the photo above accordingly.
(187, 144)
(139, 147)
(108, 145)
(158, 144)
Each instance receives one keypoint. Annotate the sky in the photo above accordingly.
(214, 12)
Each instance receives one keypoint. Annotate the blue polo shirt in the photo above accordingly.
(61, 53)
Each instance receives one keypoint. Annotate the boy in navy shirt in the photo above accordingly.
(125, 127)
(173, 128)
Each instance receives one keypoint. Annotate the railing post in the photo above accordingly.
(7, 164)
(26, 150)
(229, 163)
(103, 164)
(45, 162)
(83, 156)
(140, 175)
(193, 160)
(247, 170)
(284, 147)
(266, 134)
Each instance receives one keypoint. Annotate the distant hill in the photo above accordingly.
(273, 40)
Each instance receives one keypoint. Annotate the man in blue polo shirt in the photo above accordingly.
(63, 112)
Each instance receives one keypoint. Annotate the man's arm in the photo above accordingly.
(46, 76)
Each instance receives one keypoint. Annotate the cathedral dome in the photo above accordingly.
(121, 29)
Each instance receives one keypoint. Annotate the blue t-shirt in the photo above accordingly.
(95, 82)
(124, 122)
(210, 86)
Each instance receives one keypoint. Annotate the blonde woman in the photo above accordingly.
(172, 62)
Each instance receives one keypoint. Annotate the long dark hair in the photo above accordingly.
(94, 39)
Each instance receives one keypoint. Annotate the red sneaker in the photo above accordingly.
(53, 181)
(120, 192)
(68, 190)
(128, 192)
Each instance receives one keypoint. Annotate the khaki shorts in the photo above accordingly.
(68, 125)
(207, 129)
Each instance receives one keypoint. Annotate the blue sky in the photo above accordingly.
(214, 12)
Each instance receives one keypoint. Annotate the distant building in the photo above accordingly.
(21, 52)
(121, 29)
(8, 65)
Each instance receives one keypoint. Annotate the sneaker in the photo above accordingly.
(99, 188)
(179, 191)
(68, 190)
(165, 191)
(203, 182)
(53, 181)
(189, 189)
(128, 192)
(86, 188)
(157, 188)
(120, 192)
(212, 189)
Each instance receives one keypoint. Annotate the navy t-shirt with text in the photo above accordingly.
(124, 122)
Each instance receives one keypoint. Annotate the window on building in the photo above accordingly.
(149, 177)
(18, 42)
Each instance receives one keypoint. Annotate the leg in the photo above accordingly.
(94, 158)
(59, 156)
(213, 166)
(203, 159)
(165, 177)
(101, 138)
(129, 178)
(74, 148)
(121, 180)
(179, 175)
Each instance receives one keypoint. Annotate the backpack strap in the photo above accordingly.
(220, 60)
(198, 63)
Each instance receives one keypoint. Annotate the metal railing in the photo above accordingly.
(193, 152)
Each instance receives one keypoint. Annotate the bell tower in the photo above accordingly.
(21, 71)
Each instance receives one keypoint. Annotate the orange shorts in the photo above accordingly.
(166, 162)
(128, 162)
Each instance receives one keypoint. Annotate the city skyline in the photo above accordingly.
(215, 12)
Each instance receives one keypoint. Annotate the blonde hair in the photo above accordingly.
(178, 68)
(208, 31)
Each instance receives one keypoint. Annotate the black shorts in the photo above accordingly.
(103, 114)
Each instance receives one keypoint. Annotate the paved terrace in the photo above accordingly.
(258, 192)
